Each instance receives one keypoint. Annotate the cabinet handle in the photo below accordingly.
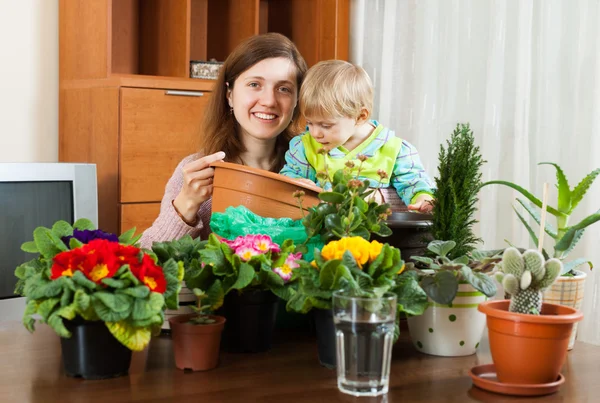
(185, 93)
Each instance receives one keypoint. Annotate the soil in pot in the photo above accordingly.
(529, 349)
(92, 352)
(196, 347)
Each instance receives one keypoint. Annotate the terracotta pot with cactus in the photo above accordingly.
(528, 338)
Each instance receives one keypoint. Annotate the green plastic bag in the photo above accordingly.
(239, 221)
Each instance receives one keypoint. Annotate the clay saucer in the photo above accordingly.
(484, 377)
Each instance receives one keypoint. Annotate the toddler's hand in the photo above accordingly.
(422, 204)
(307, 181)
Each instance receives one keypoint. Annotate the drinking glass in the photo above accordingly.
(364, 329)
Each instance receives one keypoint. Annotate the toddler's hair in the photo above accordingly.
(336, 88)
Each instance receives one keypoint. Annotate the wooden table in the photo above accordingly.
(31, 371)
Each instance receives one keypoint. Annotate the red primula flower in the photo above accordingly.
(100, 259)
(150, 274)
(65, 263)
(127, 254)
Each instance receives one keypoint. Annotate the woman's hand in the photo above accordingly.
(197, 185)
(422, 204)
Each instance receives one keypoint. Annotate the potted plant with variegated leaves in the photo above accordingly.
(569, 288)
(104, 296)
(451, 324)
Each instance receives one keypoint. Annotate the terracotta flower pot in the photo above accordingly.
(264, 193)
(529, 349)
(196, 346)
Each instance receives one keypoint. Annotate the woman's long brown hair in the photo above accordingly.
(219, 132)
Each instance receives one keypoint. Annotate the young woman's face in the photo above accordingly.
(263, 98)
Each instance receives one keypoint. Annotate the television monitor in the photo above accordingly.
(33, 195)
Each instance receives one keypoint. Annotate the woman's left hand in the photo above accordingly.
(422, 204)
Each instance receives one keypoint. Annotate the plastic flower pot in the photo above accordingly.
(196, 346)
(529, 349)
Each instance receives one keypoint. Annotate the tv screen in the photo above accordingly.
(23, 207)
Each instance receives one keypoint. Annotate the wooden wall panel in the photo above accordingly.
(198, 29)
(229, 23)
(165, 37)
(125, 37)
(84, 38)
(88, 132)
(138, 215)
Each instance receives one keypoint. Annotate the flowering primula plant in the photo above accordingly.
(367, 268)
(84, 272)
(247, 262)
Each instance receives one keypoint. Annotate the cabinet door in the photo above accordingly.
(158, 129)
(138, 215)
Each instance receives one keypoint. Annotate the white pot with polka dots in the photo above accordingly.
(450, 331)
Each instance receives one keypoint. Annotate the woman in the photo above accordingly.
(247, 121)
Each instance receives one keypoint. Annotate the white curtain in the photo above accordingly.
(525, 74)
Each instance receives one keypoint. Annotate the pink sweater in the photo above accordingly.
(169, 226)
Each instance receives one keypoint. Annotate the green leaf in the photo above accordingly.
(146, 308)
(441, 287)
(29, 247)
(245, 277)
(114, 283)
(47, 290)
(67, 296)
(320, 303)
(334, 222)
(81, 300)
(125, 237)
(215, 295)
(62, 228)
(56, 322)
(564, 192)
(479, 281)
(580, 190)
(46, 308)
(134, 338)
(528, 195)
(530, 230)
(441, 248)
(571, 235)
(28, 320)
(573, 264)
(140, 291)
(44, 241)
(114, 302)
(83, 224)
(80, 279)
(550, 230)
(332, 197)
(327, 273)
(75, 243)
(411, 298)
(461, 260)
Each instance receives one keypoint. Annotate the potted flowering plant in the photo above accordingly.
(242, 279)
(367, 268)
(99, 292)
(528, 338)
(569, 288)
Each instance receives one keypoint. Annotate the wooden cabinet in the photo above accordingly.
(125, 100)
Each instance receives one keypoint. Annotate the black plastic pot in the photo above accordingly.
(250, 321)
(325, 337)
(92, 352)
(410, 233)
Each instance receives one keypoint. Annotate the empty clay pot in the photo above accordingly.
(196, 346)
(529, 349)
(264, 193)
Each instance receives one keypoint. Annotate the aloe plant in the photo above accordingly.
(565, 236)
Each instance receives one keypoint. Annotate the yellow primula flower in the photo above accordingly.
(374, 250)
(358, 247)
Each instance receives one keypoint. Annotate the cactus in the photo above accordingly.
(525, 277)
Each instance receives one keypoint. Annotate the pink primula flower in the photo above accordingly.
(292, 259)
(246, 252)
(285, 272)
(264, 244)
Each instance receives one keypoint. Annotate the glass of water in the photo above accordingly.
(364, 330)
